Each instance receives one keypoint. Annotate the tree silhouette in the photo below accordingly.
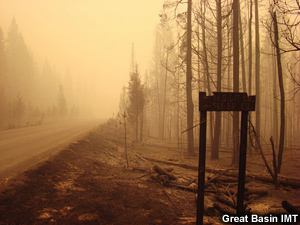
(21, 66)
(62, 103)
(18, 108)
(137, 100)
(2, 78)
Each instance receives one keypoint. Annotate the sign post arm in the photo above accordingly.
(242, 164)
(201, 168)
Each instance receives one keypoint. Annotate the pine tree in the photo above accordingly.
(18, 109)
(2, 79)
(21, 66)
(136, 99)
(62, 103)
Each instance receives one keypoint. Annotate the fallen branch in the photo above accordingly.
(257, 191)
(258, 164)
(229, 179)
(140, 169)
(209, 206)
(226, 200)
(224, 209)
(173, 163)
(182, 187)
(192, 189)
(152, 176)
(169, 199)
(261, 151)
(162, 171)
(215, 178)
(290, 208)
(163, 178)
(283, 180)
(140, 157)
(142, 176)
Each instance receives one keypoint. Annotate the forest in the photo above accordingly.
(219, 46)
(33, 94)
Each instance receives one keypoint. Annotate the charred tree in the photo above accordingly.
(249, 147)
(206, 66)
(275, 105)
(281, 89)
(190, 104)
(217, 130)
(165, 95)
(257, 71)
(242, 51)
(235, 78)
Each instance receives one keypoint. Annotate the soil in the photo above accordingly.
(89, 183)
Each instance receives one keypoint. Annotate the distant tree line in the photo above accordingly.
(29, 95)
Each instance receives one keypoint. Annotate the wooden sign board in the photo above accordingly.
(223, 101)
(226, 101)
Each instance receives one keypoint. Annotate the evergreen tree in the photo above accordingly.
(48, 83)
(21, 66)
(62, 103)
(137, 100)
(123, 101)
(13, 38)
(2, 55)
(2, 79)
(18, 109)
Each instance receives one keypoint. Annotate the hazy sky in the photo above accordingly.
(92, 38)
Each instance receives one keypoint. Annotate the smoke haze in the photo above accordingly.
(88, 39)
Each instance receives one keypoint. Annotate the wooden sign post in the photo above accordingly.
(223, 101)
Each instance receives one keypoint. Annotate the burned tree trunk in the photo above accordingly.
(216, 142)
(235, 78)
(190, 104)
(257, 70)
(281, 88)
(165, 97)
(242, 51)
(249, 150)
(206, 67)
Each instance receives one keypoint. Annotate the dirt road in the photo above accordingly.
(21, 149)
